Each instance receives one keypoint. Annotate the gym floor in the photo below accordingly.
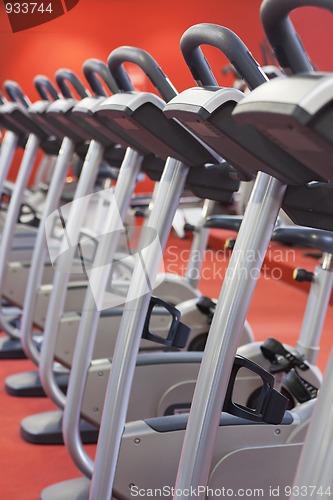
(276, 310)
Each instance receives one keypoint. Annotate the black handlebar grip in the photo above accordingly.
(232, 47)
(92, 69)
(45, 88)
(147, 63)
(1, 99)
(281, 34)
(15, 93)
(305, 236)
(63, 77)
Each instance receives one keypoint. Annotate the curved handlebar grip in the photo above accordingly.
(93, 68)
(63, 77)
(304, 236)
(281, 34)
(45, 88)
(231, 46)
(147, 63)
(15, 93)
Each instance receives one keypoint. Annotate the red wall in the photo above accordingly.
(95, 27)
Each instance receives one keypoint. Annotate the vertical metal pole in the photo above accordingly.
(225, 333)
(130, 331)
(316, 309)
(8, 147)
(199, 246)
(84, 346)
(62, 272)
(143, 235)
(46, 165)
(314, 477)
(40, 249)
(27, 163)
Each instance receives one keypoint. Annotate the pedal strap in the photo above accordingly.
(206, 306)
(273, 350)
(28, 215)
(177, 333)
(270, 405)
(300, 388)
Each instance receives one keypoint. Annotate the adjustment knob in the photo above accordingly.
(189, 227)
(302, 275)
(230, 243)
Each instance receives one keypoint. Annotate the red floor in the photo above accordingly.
(276, 310)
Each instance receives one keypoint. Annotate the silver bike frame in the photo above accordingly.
(129, 169)
(26, 166)
(115, 407)
(86, 338)
(235, 296)
(224, 335)
(40, 251)
(199, 246)
(7, 151)
(314, 471)
(316, 308)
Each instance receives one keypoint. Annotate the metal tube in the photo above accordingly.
(103, 199)
(86, 336)
(27, 163)
(46, 165)
(314, 472)
(40, 250)
(143, 235)
(199, 246)
(61, 276)
(130, 331)
(47, 177)
(315, 313)
(225, 332)
(327, 261)
(7, 151)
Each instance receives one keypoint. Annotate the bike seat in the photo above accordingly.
(208, 113)
(141, 116)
